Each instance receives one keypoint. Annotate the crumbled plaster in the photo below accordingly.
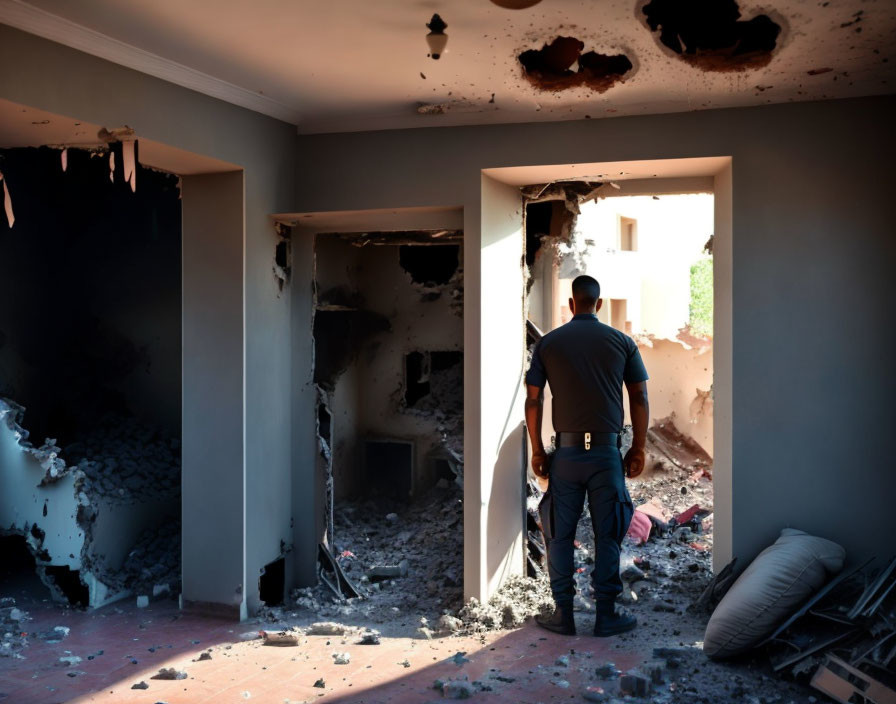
(94, 522)
(557, 241)
(282, 265)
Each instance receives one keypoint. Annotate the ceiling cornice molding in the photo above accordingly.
(44, 24)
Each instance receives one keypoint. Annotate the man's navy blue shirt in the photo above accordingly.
(586, 363)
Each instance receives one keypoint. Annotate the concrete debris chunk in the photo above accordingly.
(140, 685)
(595, 694)
(169, 673)
(381, 572)
(370, 637)
(142, 601)
(250, 635)
(608, 671)
(327, 628)
(280, 638)
(342, 658)
(320, 684)
(634, 684)
(69, 660)
(458, 689)
(562, 661)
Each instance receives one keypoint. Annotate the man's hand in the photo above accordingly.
(633, 462)
(539, 458)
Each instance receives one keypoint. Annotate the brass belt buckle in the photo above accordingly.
(587, 441)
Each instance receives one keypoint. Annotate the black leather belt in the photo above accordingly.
(587, 440)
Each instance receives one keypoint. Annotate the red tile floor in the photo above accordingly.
(397, 670)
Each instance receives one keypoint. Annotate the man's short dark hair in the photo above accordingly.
(585, 290)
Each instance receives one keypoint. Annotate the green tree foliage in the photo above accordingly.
(701, 298)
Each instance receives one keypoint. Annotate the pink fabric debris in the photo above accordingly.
(639, 528)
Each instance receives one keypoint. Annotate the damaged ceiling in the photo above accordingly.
(357, 65)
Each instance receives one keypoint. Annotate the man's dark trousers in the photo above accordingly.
(577, 473)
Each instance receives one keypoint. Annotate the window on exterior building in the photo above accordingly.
(628, 234)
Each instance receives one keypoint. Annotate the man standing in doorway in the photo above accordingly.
(586, 364)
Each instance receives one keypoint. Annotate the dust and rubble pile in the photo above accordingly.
(123, 475)
(407, 561)
(13, 637)
(121, 457)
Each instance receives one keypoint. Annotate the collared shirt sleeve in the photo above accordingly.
(536, 375)
(635, 371)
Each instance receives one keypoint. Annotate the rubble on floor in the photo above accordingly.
(13, 638)
(407, 564)
(101, 516)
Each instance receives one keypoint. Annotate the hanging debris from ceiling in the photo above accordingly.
(7, 202)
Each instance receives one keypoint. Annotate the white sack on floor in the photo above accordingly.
(777, 583)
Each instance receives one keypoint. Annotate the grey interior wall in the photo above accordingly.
(58, 79)
(308, 481)
(812, 256)
(212, 482)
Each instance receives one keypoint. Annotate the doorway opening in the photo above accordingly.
(652, 255)
(388, 366)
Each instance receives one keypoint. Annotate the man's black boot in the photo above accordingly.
(610, 622)
(561, 621)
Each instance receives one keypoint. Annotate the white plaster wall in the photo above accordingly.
(22, 502)
(51, 77)
(494, 500)
(677, 372)
(807, 274)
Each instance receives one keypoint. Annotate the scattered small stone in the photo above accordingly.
(634, 684)
(594, 694)
(370, 637)
(204, 656)
(326, 628)
(608, 671)
(142, 601)
(405, 663)
(169, 673)
(562, 684)
(140, 685)
(320, 684)
(562, 661)
(341, 658)
(458, 689)
(280, 638)
(69, 660)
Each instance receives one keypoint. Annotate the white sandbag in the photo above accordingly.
(777, 583)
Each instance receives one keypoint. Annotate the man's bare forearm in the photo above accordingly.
(534, 414)
(640, 412)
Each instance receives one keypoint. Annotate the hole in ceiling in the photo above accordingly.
(551, 67)
(709, 34)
